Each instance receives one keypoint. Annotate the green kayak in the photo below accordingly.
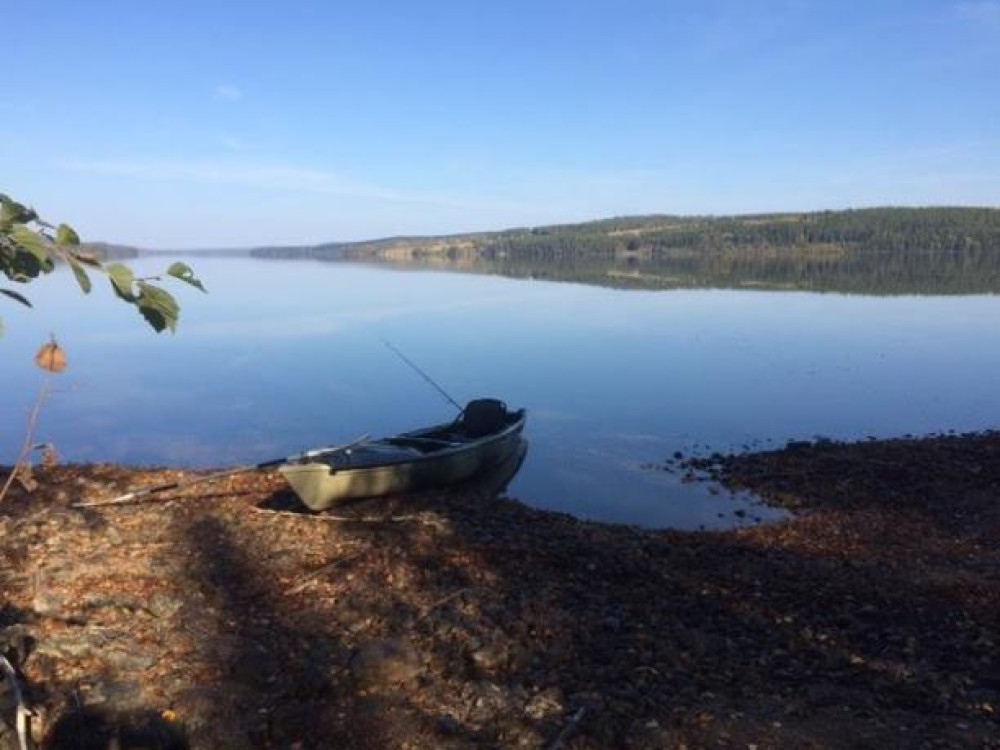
(485, 436)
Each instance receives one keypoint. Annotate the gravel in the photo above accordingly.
(870, 618)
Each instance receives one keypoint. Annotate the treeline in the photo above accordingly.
(880, 250)
(105, 251)
(749, 269)
(924, 230)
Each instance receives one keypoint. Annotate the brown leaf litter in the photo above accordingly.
(227, 618)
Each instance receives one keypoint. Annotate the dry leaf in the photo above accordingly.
(51, 357)
(50, 457)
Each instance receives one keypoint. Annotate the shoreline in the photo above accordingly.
(226, 618)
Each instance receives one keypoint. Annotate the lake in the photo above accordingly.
(284, 355)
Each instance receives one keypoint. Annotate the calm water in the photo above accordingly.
(284, 355)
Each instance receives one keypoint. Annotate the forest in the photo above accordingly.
(872, 251)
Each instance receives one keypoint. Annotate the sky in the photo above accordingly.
(215, 124)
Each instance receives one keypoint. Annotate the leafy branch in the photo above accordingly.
(31, 247)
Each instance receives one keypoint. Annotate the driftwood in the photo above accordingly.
(412, 518)
(133, 495)
(23, 713)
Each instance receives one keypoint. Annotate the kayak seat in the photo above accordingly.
(482, 417)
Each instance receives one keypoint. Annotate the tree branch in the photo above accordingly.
(29, 434)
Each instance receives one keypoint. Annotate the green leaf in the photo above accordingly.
(81, 275)
(158, 307)
(34, 243)
(15, 296)
(66, 235)
(22, 266)
(12, 212)
(183, 272)
(121, 280)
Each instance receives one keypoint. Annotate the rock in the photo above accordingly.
(163, 605)
(50, 603)
(70, 645)
(487, 659)
(449, 725)
(545, 705)
(386, 662)
(116, 694)
(128, 658)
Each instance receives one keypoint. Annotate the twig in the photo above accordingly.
(23, 712)
(442, 602)
(415, 518)
(567, 730)
(133, 495)
(29, 434)
(305, 581)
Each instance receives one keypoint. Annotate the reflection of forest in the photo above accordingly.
(874, 273)
(871, 251)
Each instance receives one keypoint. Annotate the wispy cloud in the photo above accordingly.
(227, 92)
(271, 176)
(983, 11)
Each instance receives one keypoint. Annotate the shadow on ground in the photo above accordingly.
(517, 620)
(459, 620)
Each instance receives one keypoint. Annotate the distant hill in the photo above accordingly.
(926, 230)
(873, 250)
(108, 251)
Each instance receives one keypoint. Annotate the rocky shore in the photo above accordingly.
(226, 618)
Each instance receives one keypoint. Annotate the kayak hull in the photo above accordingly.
(420, 460)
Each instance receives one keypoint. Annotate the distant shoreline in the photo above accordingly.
(889, 251)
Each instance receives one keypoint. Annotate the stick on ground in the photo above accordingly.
(415, 518)
(23, 712)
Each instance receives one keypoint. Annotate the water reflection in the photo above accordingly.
(496, 479)
(834, 269)
(286, 355)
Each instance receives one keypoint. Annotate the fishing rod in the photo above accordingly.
(422, 374)
(274, 462)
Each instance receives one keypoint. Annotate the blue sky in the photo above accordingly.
(212, 124)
